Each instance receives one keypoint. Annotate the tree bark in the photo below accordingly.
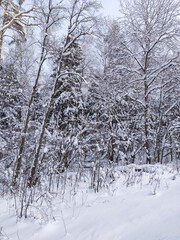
(2, 33)
(23, 140)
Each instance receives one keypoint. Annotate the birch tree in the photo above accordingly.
(51, 16)
(13, 17)
(152, 29)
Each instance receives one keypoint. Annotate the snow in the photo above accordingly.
(146, 210)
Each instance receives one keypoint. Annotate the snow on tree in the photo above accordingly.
(151, 35)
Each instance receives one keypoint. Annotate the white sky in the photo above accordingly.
(111, 7)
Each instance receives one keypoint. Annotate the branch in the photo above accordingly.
(169, 109)
(14, 19)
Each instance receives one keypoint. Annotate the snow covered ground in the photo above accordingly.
(148, 209)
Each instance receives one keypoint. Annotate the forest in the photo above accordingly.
(82, 94)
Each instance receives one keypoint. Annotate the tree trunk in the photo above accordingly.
(146, 89)
(23, 140)
(2, 33)
(147, 144)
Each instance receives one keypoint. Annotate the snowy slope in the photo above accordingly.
(143, 211)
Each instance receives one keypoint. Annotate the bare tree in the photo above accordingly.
(152, 28)
(51, 18)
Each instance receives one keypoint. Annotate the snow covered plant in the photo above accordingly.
(3, 235)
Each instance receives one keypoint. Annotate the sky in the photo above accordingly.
(111, 7)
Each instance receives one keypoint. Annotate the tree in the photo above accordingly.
(12, 102)
(151, 34)
(68, 108)
(108, 98)
(50, 18)
(81, 20)
(14, 17)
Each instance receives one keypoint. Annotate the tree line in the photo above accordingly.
(82, 91)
